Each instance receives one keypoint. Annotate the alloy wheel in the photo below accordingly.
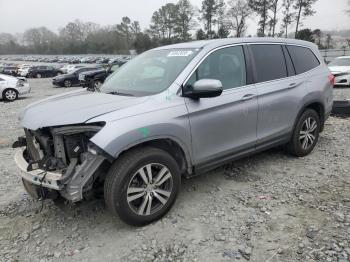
(10, 95)
(307, 135)
(38, 75)
(149, 189)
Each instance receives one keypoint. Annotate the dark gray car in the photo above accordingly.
(174, 112)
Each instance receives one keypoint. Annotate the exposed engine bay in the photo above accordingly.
(69, 162)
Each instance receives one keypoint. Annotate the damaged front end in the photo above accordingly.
(62, 160)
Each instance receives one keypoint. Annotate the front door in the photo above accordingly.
(223, 126)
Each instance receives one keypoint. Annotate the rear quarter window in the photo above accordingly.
(303, 59)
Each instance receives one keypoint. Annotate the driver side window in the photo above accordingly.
(226, 65)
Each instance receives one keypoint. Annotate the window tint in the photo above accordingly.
(303, 58)
(226, 65)
(269, 62)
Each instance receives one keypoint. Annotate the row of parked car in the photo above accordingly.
(13, 77)
(67, 59)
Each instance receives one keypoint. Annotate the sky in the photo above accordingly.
(18, 15)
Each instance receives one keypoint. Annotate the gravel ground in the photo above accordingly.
(342, 93)
(268, 207)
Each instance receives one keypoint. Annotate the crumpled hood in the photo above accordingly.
(73, 108)
(339, 69)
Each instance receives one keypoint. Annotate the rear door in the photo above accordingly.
(223, 126)
(277, 89)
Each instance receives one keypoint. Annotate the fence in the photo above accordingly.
(330, 54)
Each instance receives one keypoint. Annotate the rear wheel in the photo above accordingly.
(38, 75)
(10, 94)
(142, 185)
(305, 134)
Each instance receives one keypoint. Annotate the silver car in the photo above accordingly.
(173, 112)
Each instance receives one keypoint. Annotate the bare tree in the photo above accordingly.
(288, 15)
(304, 9)
(238, 13)
(273, 19)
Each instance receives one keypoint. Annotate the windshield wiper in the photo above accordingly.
(120, 93)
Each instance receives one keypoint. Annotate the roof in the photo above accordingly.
(7, 77)
(226, 41)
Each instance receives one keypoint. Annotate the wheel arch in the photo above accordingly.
(316, 105)
(169, 144)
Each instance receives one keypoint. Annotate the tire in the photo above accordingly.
(38, 75)
(124, 184)
(97, 84)
(306, 133)
(67, 83)
(10, 94)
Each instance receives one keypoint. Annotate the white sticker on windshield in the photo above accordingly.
(180, 53)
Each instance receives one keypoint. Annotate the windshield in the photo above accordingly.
(340, 62)
(149, 73)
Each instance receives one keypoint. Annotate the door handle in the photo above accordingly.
(247, 97)
(292, 85)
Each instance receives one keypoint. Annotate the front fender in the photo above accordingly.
(169, 123)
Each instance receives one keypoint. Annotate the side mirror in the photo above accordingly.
(204, 88)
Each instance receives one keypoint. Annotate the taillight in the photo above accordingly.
(332, 79)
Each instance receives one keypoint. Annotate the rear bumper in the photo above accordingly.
(343, 80)
(24, 89)
(37, 177)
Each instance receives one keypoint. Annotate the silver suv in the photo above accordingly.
(174, 112)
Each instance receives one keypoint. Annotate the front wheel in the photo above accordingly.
(305, 134)
(142, 185)
(67, 83)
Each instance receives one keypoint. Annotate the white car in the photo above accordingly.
(67, 69)
(340, 68)
(11, 87)
(24, 70)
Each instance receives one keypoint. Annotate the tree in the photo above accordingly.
(124, 29)
(329, 41)
(184, 19)
(306, 34)
(261, 7)
(135, 28)
(288, 15)
(163, 22)
(209, 11)
(304, 9)
(317, 33)
(273, 19)
(238, 13)
(200, 34)
(143, 42)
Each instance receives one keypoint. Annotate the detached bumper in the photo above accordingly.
(51, 180)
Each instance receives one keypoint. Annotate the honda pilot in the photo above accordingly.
(170, 113)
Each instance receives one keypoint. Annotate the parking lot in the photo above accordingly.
(268, 207)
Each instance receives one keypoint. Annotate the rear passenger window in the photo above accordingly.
(226, 65)
(303, 59)
(269, 62)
